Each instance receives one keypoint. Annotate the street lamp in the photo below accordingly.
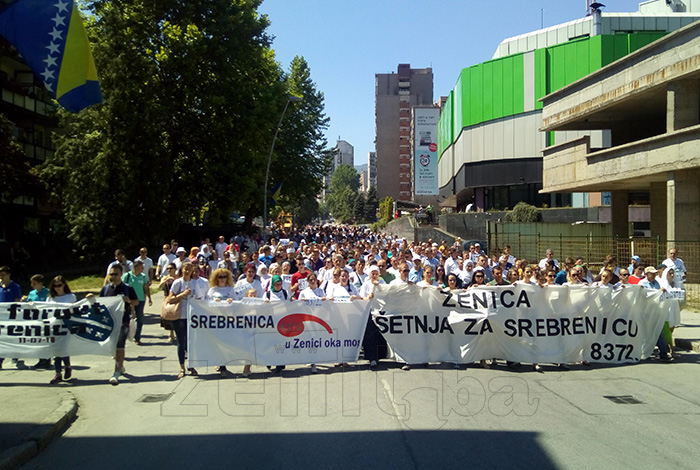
(290, 98)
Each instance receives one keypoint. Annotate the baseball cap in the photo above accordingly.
(650, 269)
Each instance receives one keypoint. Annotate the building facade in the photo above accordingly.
(371, 169)
(395, 95)
(650, 103)
(33, 220)
(489, 137)
(343, 154)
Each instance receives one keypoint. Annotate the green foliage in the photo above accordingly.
(343, 193)
(371, 205)
(193, 96)
(386, 210)
(524, 212)
(301, 155)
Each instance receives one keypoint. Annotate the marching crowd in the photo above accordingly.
(326, 262)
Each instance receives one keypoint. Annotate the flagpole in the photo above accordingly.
(290, 98)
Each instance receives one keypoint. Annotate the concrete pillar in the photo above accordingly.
(620, 214)
(657, 201)
(683, 205)
(682, 104)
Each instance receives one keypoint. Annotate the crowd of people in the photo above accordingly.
(329, 262)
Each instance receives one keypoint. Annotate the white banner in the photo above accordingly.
(558, 324)
(43, 330)
(425, 163)
(275, 333)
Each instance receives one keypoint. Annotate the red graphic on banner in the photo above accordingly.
(293, 325)
(432, 147)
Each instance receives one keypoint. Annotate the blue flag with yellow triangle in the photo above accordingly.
(276, 194)
(51, 37)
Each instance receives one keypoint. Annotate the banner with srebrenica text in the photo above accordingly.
(275, 333)
(44, 329)
(521, 323)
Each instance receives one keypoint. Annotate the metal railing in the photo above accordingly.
(594, 249)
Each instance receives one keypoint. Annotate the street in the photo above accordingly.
(353, 418)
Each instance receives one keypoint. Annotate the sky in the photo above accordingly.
(347, 42)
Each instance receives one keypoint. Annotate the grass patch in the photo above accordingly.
(86, 283)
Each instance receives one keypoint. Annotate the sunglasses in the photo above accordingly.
(114, 274)
(58, 285)
(550, 275)
(222, 277)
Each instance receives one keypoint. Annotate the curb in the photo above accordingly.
(49, 428)
(687, 344)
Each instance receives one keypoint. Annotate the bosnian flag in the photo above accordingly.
(51, 37)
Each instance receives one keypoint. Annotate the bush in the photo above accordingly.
(524, 212)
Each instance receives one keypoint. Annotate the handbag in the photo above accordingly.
(170, 311)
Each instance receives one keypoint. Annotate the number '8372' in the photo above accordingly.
(612, 352)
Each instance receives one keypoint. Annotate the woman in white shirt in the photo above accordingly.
(427, 280)
(180, 292)
(313, 291)
(373, 280)
(343, 288)
(221, 286)
(59, 292)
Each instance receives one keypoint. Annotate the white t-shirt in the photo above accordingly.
(310, 293)
(147, 265)
(368, 288)
(164, 261)
(63, 299)
(221, 293)
(220, 249)
(336, 290)
(242, 286)
(179, 286)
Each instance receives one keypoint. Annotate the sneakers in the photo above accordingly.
(114, 379)
(122, 371)
(314, 370)
(406, 367)
(373, 363)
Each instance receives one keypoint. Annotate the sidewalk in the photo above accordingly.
(35, 412)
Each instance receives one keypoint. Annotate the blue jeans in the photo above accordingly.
(139, 319)
(180, 327)
(663, 347)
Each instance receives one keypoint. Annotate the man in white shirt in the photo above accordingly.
(549, 255)
(163, 260)
(403, 272)
(221, 247)
(147, 262)
(673, 261)
(451, 264)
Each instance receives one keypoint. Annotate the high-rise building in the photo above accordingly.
(371, 169)
(395, 94)
(489, 139)
(343, 154)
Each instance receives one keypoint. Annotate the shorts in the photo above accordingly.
(123, 333)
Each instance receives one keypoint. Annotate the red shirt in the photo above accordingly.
(295, 280)
(634, 279)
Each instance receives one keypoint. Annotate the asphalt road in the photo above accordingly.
(353, 418)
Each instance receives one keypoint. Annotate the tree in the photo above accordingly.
(192, 97)
(359, 208)
(301, 155)
(343, 191)
(371, 205)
